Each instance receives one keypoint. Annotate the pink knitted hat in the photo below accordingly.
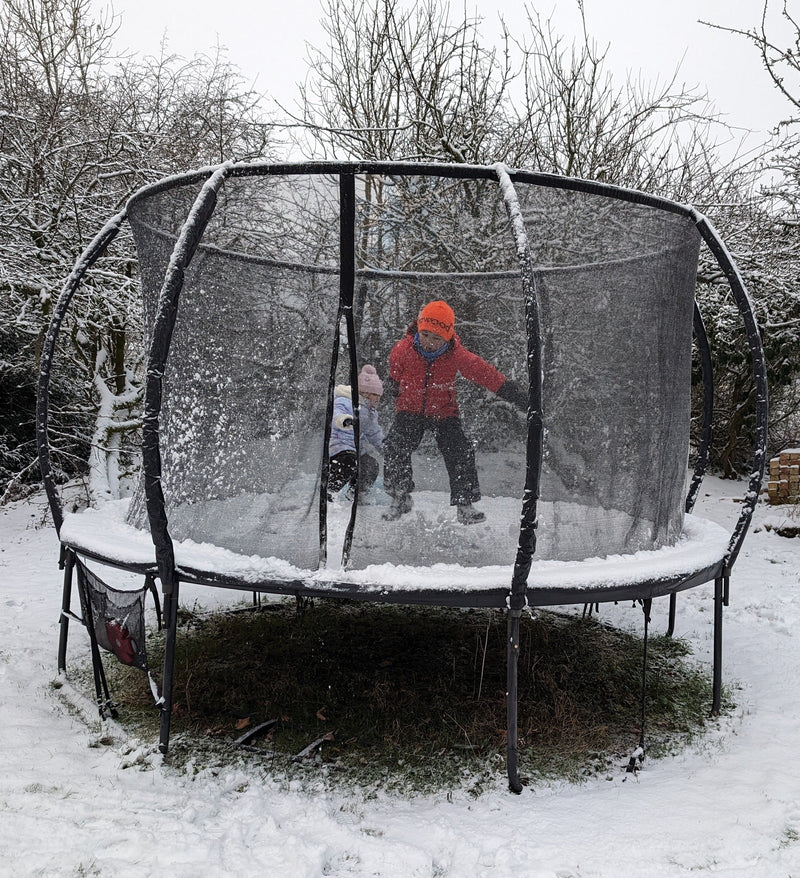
(368, 381)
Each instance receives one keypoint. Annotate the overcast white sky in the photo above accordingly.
(267, 41)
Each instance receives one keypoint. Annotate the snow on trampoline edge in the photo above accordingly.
(105, 533)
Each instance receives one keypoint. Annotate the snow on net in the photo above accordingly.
(246, 386)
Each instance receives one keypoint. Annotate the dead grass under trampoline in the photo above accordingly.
(414, 697)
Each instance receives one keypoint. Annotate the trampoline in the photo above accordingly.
(265, 285)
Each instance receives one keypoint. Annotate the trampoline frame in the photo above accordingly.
(519, 594)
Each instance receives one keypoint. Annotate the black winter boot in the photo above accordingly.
(468, 514)
(401, 504)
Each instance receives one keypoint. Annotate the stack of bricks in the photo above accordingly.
(784, 477)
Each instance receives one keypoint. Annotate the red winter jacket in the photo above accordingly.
(429, 388)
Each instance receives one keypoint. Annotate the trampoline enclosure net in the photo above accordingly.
(247, 382)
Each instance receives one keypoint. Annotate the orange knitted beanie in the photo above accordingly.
(437, 317)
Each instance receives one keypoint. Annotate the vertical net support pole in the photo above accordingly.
(85, 261)
(527, 539)
(347, 281)
(703, 451)
(164, 324)
(66, 600)
(326, 438)
(347, 276)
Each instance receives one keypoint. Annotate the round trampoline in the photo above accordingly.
(266, 286)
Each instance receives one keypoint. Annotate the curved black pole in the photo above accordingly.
(745, 305)
(163, 327)
(84, 262)
(424, 169)
(347, 275)
(535, 443)
(326, 437)
(347, 281)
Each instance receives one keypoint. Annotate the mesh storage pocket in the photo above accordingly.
(117, 617)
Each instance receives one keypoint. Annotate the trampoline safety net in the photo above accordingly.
(258, 331)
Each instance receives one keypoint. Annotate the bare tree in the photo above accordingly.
(396, 84)
(577, 121)
(780, 59)
(79, 131)
(761, 227)
(405, 85)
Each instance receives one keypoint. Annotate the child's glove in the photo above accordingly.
(343, 422)
(514, 394)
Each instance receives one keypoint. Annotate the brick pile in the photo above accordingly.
(784, 477)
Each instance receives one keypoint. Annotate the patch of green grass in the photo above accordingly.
(415, 696)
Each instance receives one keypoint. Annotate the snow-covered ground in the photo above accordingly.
(75, 802)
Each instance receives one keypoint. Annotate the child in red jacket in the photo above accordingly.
(423, 366)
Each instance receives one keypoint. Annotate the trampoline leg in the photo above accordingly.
(638, 755)
(673, 603)
(66, 597)
(511, 700)
(171, 622)
(719, 599)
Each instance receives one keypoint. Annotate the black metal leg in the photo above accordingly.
(638, 755)
(673, 602)
(171, 620)
(511, 700)
(66, 598)
(646, 608)
(719, 599)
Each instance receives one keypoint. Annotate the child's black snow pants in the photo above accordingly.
(459, 456)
